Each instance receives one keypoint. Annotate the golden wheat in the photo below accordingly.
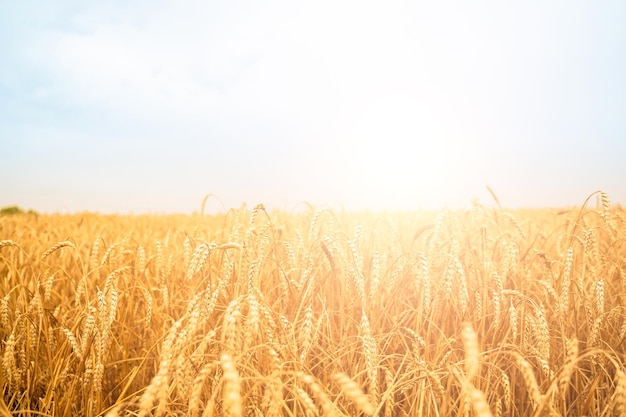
(352, 391)
(251, 312)
(232, 387)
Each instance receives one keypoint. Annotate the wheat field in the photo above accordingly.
(483, 312)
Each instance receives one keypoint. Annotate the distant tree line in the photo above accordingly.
(10, 210)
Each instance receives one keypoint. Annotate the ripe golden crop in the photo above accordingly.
(256, 313)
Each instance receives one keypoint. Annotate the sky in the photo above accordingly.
(148, 106)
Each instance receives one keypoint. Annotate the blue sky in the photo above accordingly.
(147, 106)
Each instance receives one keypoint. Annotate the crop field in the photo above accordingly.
(253, 312)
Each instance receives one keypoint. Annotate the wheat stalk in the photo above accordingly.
(328, 407)
(371, 357)
(619, 398)
(568, 365)
(57, 246)
(530, 381)
(198, 385)
(232, 387)
(479, 403)
(565, 284)
(472, 351)
(352, 391)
